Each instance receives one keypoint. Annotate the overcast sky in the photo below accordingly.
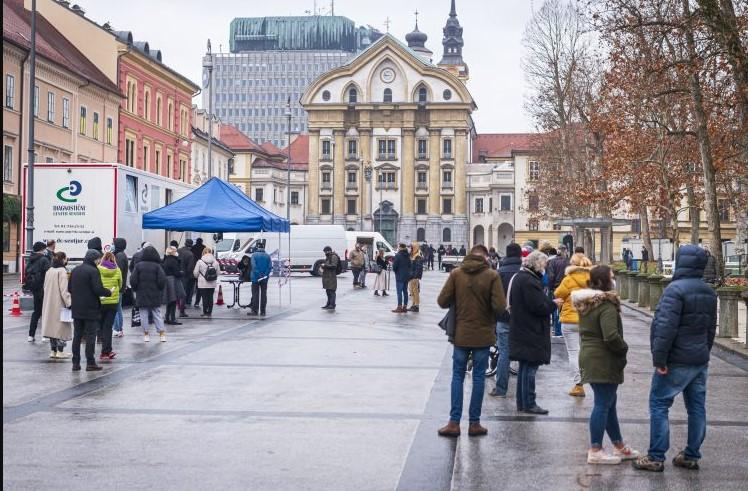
(492, 32)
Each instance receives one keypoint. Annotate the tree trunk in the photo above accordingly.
(705, 146)
(646, 234)
(693, 214)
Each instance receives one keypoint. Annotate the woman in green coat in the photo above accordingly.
(602, 358)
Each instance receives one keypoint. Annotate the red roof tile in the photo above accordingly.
(271, 149)
(299, 150)
(236, 140)
(50, 44)
(501, 145)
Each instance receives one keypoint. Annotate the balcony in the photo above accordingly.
(447, 185)
(351, 186)
(422, 186)
(386, 156)
(325, 186)
(422, 156)
(326, 157)
(386, 185)
(352, 156)
(447, 156)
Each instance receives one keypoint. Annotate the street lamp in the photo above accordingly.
(288, 176)
(332, 201)
(367, 175)
(31, 158)
(208, 84)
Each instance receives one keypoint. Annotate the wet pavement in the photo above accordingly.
(308, 399)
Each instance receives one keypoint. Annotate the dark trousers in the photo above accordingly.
(87, 328)
(330, 298)
(356, 273)
(189, 289)
(37, 314)
(108, 312)
(431, 262)
(207, 296)
(259, 295)
(171, 312)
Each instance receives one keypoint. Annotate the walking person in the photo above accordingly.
(86, 290)
(529, 332)
(401, 268)
(356, 259)
(476, 293)
(197, 253)
(462, 252)
(440, 252)
(576, 277)
(206, 272)
(380, 283)
(111, 278)
(120, 255)
(602, 359)
(148, 281)
(509, 267)
(262, 266)
(174, 289)
(188, 281)
(56, 298)
(682, 335)
(367, 267)
(416, 273)
(34, 276)
(331, 268)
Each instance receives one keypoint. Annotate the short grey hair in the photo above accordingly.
(535, 259)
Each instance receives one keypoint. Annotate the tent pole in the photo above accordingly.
(289, 263)
(280, 274)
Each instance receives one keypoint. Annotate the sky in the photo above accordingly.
(492, 33)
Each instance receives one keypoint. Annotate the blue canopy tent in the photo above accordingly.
(216, 206)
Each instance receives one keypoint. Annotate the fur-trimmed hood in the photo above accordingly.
(587, 299)
(575, 269)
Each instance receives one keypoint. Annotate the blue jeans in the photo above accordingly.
(526, 385)
(119, 320)
(402, 292)
(691, 381)
(502, 366)
(604, 416)
(459, 366)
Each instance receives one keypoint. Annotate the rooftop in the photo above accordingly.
(236, 140)
(501, 145)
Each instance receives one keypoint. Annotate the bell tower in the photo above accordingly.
(452, 42)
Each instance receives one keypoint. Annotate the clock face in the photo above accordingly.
(387, 75)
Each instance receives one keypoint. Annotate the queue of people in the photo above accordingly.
(511, 309)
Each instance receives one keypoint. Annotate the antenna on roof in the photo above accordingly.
(332, 7)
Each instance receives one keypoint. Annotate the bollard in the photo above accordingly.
(655, 290)
(643, 300)
(622, 279)
(729, 296)
(633, 287)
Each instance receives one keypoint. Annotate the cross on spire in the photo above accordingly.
(387, 23)
(416, 13)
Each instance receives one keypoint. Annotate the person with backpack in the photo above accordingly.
(120, 255)
(475, 292)
(509, 267)
(262, 266)
(86, 290)
(111, 278)
(206, 272)
(36, 270)
(56, 298)
(148, 281)
(331, 268)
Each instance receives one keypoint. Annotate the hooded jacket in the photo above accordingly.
(401, 266)
(111, 277)
(86, 288)
(416, 267)
(201, 267)
(685, 320)
(123, 262)
(95, 244)
(477, 293)
(187, 259)
(575, 278)
(148, 279)
(529, 327)
(356, 258)
(509, 267)
(602, 355)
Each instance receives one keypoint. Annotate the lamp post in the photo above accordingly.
(32, 104)
(288, 156)
(367, 175)
(332, 178)
(208, 83)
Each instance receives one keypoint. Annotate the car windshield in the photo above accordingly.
(224, 245)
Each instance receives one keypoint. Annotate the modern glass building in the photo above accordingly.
(272, 59)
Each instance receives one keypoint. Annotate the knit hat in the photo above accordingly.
(39, 246)
(513, 250)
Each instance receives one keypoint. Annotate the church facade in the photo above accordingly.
(389, 141)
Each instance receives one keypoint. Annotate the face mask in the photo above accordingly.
(613, 283)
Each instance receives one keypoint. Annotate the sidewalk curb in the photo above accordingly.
(725, 345)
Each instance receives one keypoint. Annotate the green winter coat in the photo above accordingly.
(602, 353)
(111, 278)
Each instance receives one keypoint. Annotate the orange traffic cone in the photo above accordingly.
(15, 311)
(220, 296)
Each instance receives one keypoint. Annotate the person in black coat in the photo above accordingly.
(188, 264)
(36, 271)
(440, 252)
(507, 269)
(85, 289)
(148, 281)
(529, 332)
(174, 273)
(401, 268)
(95, 244)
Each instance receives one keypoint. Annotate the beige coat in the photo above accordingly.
(56, 296)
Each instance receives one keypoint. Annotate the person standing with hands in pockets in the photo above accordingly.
(262, 266)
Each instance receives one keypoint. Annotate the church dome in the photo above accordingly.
(416, 38)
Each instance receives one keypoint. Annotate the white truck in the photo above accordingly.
(76, 202)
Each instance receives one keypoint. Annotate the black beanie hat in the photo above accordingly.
(513, 250)
(39, 246)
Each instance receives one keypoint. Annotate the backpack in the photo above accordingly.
(339, 267)
(210, 272)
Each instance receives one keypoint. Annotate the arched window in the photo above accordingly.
(422, 94)
(387, 95)
(447, 235)
(352, 95)
(421, 234)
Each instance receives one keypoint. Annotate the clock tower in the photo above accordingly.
(452, 58)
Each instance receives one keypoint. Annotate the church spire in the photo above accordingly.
(453, 43)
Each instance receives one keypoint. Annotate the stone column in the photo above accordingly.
(643, 290)
(605, 252)
(338, 180)
(364, 139)
(435, 174)
(633, 287)
(728, 311)
(312, 199)
(622, 280)
(655, 290)
(460, 172)
(407, 191)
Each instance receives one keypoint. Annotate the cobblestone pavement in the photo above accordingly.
(308, 399)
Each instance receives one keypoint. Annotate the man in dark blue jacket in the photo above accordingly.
(401, 267)
(262, 266)
(508, 268)
(681, 339)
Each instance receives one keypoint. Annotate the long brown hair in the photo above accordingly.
(600, 278)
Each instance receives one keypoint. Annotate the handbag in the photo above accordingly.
(66, 315)
(449, 323)
(135, 322)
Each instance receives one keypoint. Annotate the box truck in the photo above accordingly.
(76, 202)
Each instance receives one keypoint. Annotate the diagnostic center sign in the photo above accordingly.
(73, 205)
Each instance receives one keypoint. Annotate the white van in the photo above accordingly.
(231, 242)
(373, 242)
(307, 243)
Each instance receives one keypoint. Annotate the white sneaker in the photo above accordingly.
(119, 334)
(53, 354)
(61, 355)
(626, 453)
(146, 338)
(602, 457)
(162, 336)
(30, 339)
